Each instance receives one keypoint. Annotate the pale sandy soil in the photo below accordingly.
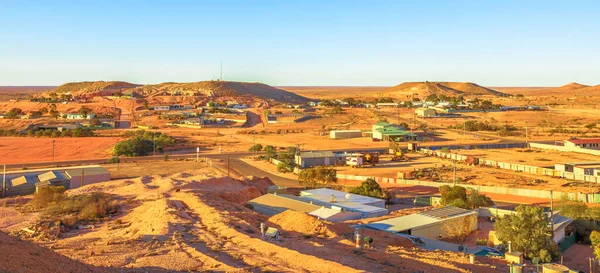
(196, 221)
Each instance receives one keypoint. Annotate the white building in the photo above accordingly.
(425, 112)
(344, 134)
(346, 202)
(80, 116)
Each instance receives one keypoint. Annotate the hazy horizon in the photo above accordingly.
(300, 43)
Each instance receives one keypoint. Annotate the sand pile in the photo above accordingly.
(303, 223)
(230, 189)
(22, 256)
(261, 183)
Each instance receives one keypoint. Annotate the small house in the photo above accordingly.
(425, 112)
(312, 159)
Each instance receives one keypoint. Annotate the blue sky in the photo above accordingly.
(286, 42)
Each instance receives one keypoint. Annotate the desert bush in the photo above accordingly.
(48, 195)
(55, 204)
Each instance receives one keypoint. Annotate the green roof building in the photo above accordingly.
(385, 131)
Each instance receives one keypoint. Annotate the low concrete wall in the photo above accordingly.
(484, 189)
(564, 149)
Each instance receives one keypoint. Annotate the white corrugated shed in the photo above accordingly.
(324, 194)
(345, 134)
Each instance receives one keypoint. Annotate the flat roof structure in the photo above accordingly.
(324, 194)
(316, 154)
(276, 203)
(368, 206)
(419, 220)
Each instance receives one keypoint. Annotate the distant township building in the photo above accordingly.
(344, 134)
(587, 143)
(312, 159)
(28, 181)
(80, 116)
(385, 131)
(425, 112)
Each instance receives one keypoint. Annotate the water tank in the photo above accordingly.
(517, 268)
(554, 268)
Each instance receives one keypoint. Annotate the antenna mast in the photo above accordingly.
(221, 70)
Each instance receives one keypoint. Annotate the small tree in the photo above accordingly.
(271, 151)
(528, 230)
(595, 239)
(370, 188)
(457, 196)
(307, 178)
(458, 229)
(256, 148)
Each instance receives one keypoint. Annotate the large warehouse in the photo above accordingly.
(25, 182)
(429, 224)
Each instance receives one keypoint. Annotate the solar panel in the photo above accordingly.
(444, 212)
(272, 232)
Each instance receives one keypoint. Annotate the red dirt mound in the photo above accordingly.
(22, 256)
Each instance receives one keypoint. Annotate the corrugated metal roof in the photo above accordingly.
(316, 154)
(282, 202)
(324, 194)
(88, 171)
(445, 212)
(584, 141)
(407, 222)
(399, 224)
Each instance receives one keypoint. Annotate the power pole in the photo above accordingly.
(221, 70)
(455, 172)
(526, 135)
(53, 141)
(82, 176)
(552, 213)
(4, 182)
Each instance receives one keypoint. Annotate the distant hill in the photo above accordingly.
(203, 88)
(571, 86)
(224, 89)
(93, 88)
(569, 89)
(424, 89)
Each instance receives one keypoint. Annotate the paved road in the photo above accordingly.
(124, 159)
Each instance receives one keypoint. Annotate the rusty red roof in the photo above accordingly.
(584, 141)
